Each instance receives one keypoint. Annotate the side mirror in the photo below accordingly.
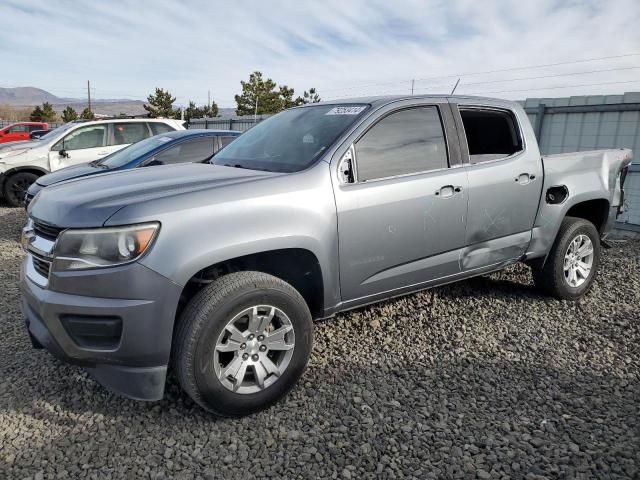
(63, 153)
(345, 167)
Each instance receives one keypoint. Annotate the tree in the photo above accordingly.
(69, 115)
(260, 92)
(192, 111)
(87, 114)
(311, 96)
(48, 113)
(286, 97)
(160, 104)
(37, 114)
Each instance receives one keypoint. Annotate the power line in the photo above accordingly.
(552, 88)
(468, 74)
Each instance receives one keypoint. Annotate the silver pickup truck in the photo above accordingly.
(217, 270)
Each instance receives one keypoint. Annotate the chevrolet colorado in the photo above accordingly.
(217, 270)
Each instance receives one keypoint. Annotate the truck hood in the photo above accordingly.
(69, 173)
(90, 201)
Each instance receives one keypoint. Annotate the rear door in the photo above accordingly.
(401, 219)
(505, 180)
(123, 134)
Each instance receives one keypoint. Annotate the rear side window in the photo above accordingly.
(491, 134)
(157, 128)
(19, 129)
(126, 133)
(409, 141)
(33, 128)
(189, 151)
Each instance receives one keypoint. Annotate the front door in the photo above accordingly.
(402, 218)
(82, 145)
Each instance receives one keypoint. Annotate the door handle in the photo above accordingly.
(525, 178)
(448, 191)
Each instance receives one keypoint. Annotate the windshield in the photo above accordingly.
(55, 133)
(133, 152)
(291, 140)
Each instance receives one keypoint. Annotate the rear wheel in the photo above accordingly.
(573, 261)
(242, 343)
(16, 186)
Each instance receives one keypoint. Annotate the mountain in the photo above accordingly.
(26, 96)
(31, 96)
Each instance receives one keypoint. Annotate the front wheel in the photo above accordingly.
(242, 343)
(573, 261)
(16, 186)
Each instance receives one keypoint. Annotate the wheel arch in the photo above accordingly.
(299, 267)
(30, 169)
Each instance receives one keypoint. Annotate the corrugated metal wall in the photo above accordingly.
(590, 123)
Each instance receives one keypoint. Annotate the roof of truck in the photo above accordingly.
(381, 100)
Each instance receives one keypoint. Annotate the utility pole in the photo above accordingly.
(255, 113)
(413, 82)
(208, 100)
(89, 95)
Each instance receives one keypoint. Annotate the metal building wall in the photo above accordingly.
(590, 123)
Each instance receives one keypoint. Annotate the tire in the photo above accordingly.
(199, 363)
(552, 277)
(16, 186)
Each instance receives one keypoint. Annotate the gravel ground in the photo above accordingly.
(481, 379)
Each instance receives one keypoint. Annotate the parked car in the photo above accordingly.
(220, 268)
(20, 131)
(181, 146)
(36, 134)
(81, 141)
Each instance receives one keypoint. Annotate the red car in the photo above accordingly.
(20, 131)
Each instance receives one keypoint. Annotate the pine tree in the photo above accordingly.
(261, 91)
(87, 114)
(48, 113)
(69, 115)
(160, 104)
(311, 96)
(37, 114)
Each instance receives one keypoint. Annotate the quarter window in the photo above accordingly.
(189, 151)
(157, 128)
(126, 133)
(92, 136)
(409, 141)
(491, 134)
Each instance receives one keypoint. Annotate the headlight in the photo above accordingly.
(102, 247)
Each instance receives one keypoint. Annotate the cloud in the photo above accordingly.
(344, 48)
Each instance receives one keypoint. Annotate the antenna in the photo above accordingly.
(455, 86)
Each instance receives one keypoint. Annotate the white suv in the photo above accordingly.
(21, 163)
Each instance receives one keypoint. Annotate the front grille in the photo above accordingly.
(46, 231)
(41, 265)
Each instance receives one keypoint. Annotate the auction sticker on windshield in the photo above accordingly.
(345, 110)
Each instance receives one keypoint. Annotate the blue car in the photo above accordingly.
(181, 146)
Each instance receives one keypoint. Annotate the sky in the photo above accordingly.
(344, 48)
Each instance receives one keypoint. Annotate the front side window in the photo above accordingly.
(291, 140)
(408, 141)
(92, 136)
(224, 141)
(189, 151)
(126, 133)
(491, 134)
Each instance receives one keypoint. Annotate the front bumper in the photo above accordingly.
(141, 301)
